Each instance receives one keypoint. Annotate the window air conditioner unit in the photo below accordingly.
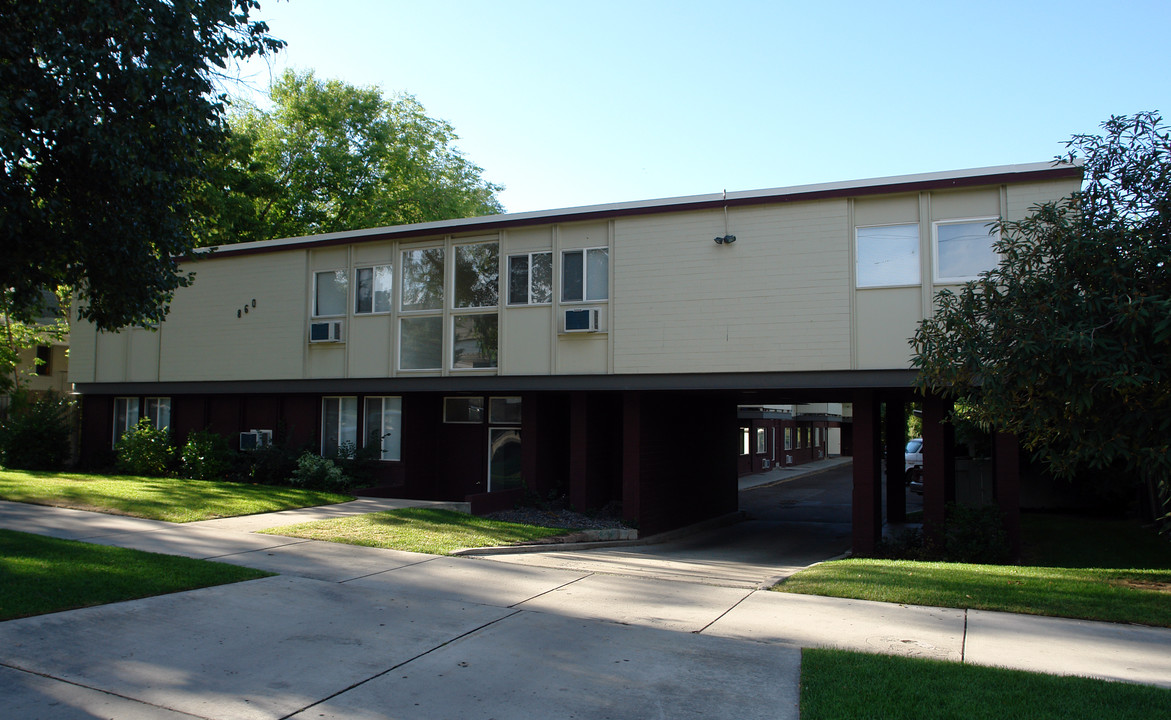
(255, 439)
(329, 331)
(788, 459)
(581, 320)
(765, 464)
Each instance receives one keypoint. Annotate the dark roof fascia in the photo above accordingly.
(901, 380)
(489, 223)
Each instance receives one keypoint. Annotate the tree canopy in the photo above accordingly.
(329, 156)
(1067, 342)
(108, 111)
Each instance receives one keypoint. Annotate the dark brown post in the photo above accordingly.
(1006, 457)
(578, 450)
(896, 440)
(936, 457)
(867, 494)
(631, 454)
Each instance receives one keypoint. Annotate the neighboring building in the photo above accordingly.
(598, 351)
(782, 435)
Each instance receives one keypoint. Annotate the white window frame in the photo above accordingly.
(761, 441)
(316, 281)
(395, 451)
(438, 312)
(918, 279)
(340, 424)
(528, 278)
(745, 446)
(789, 438)
(459, 313)
(373, 289)
(993, 236)
(131, 417)
(492, 434)
(585, 275)
(156, 418)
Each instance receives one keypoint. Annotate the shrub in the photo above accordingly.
(35, 436)
(976, 535)
(268, 465)
(144, 450)
(314, 471)
(206, 456)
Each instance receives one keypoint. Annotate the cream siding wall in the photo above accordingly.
(776, 300)
(203, 339)
(782, 298)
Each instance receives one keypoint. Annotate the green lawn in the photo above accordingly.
(171, 499)
(1081, 568)
(43, 575)
(423, 530)
(843, 685)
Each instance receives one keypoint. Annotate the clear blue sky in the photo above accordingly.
(581, 103)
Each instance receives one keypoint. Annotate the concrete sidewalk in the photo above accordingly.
(351, 632)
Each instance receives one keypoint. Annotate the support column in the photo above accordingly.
(1006, 456)
(578, 451)
(631, 455)
(867, 492)
(938, 454)
(896, 440)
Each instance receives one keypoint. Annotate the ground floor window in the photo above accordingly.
(384, 420)
(339, 425)
(788, 438)
(463, 410)
(504, 459)
(158, 410)
(744, 440)
(761, 441)
(125, 416)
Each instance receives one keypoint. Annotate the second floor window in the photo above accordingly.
(585, 274)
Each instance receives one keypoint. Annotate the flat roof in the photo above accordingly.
(996, 175)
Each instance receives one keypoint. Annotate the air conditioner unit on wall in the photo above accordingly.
(326, 331)
(582, 320)
(255, 439)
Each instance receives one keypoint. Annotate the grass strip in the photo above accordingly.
(1132, 595)
(844, 685)
(422, 530)
(42, 574)
(170, 499)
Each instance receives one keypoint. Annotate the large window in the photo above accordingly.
(887, 255)
(421, 333)
(463, 410)
(331, 289)
(125, 415)
(585, 275)
(788, 438)
(530, 278)
(421, 343)
(474, 329)
(339, 425)
(158, 409)
(384, 423)
(372, 289)
(422, 279)
(964, 249)
(504, 459)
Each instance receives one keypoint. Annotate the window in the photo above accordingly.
(788, 438)
(585, 275)
(384, 422)
(816, 437)
(744, 438)
(504, 459)
(761, 441)
(963, 249)
(530, 279)
(372, 289)
(330, 293)
(463, 410)
(504, 411)
(125, 415)
(44, 356)
(421, 343)
(474, 341)
(422, 279)
(158, 410)
(339, 425)
(887, 255)
(477, 275)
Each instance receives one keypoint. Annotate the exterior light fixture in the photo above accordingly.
(725, 240)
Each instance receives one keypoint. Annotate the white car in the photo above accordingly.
(913, 465)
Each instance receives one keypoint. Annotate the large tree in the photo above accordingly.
(108, 111)
(1067, 342)
(329, 156)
